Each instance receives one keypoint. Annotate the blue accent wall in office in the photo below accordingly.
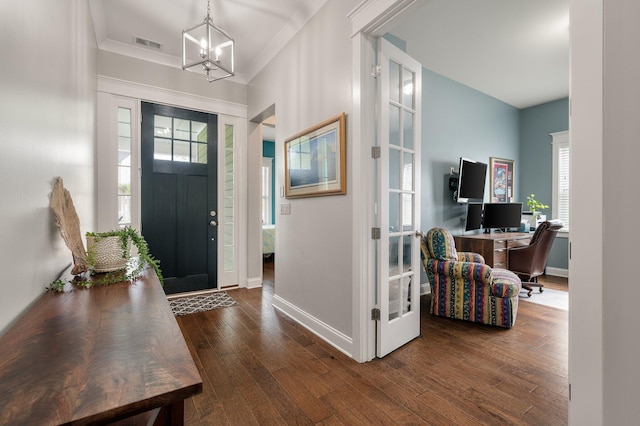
(269, 150)
(536, 162)
(458, 121)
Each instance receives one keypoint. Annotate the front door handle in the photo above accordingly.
(213, 223)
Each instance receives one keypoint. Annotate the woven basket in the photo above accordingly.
(108, 253)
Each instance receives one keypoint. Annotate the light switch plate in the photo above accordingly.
(285, 208)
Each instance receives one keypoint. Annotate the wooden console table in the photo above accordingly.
(493, 247)
(96, 356)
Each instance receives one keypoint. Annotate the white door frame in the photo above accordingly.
(112, 92)
(368, 20)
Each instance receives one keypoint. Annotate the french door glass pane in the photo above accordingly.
(394, 81)
(408, 85)
(394, 125)
(407, 129)
(407, 212)
(395, 298)
(407, 172)
(407, 244)
(394, 212)
(394, 169)
(406, 294)
(394, 247)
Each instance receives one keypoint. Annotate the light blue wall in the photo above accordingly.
(269, 150)
(458, 121)
(536, 159)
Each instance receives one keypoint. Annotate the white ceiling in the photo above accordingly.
(260, 28)
(514, 50)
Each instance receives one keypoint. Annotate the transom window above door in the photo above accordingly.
(179, 140)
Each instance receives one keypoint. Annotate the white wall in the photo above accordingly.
(621, 202)
(47, 117)
(310, 81)
(150, 74)
(605, 103)
(586, 237)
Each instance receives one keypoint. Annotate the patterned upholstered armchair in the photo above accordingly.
(464, 287)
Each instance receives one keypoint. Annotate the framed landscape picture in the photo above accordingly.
(315, 163)
(502, 180)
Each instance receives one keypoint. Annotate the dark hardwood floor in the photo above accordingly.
(260, 367)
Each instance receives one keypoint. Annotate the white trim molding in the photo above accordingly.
(370, 15)
(170, 97)
(335, 338)
(254, 282)
(556, 272)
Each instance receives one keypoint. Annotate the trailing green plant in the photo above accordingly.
(535, 205)
(134, 268)
(57, 286)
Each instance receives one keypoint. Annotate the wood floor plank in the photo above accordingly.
(261, 367)
(294, 385)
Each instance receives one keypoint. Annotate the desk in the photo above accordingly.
(493, 247)
(95, 356)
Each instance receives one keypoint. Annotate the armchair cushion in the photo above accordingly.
(467, 256)
(440, 245)
(504, 283)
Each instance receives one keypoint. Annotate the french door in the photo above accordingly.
(398, 171)
(179, 195)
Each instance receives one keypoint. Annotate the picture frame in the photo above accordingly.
(315, 160)
(502, 172)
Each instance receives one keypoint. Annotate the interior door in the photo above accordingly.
(179, 195)
(398, 263)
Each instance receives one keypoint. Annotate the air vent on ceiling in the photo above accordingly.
(147, 43)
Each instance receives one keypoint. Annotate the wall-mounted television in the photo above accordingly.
(471, 179)
(501, 215)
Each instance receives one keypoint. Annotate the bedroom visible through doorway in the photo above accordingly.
(268, 193)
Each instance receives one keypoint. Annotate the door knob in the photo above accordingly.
(213, 223)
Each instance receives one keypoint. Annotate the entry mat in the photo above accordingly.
(200, 303)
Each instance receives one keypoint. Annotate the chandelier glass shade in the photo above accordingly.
(208, 50)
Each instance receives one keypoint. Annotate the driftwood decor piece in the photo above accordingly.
(69, 224)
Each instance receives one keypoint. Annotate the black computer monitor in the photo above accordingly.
(474, 217)
(471, 179)
(502, 215)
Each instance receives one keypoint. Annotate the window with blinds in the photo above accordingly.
(561, 177)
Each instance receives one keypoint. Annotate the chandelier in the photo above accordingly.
(208, 50)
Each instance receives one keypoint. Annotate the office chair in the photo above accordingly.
(528, 262)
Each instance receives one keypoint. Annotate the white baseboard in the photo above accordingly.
(425, 288)
(557, 272)
(254, 282)
(335, 338)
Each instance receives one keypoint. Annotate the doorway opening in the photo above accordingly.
(268, 198)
